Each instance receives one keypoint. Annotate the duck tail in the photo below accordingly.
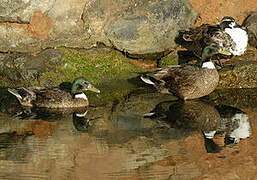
(15, 93)
(23, 95)
(149, 115)
(147, 79)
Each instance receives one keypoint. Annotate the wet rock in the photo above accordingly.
(135, 27)
(23, 68)
(241, 74)
(251, 24)
(240, 98)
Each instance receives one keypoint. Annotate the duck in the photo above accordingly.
(53, 97)
(237, 33)
(200, 37)
(187, 81)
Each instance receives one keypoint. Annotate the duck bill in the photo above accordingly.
(93, 89)
(224, 52)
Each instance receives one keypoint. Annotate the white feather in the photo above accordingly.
(244, 129)
(15, 93)
(240, 37)
(81, 95)
(81, 114)
(208, 65)
(146, 80)
(209, 134)
(149, 114)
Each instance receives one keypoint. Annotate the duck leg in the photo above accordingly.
(224, 65)
(219, 63)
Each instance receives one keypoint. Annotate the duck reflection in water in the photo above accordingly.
(227, 121)
(235, 123)
(81, 122)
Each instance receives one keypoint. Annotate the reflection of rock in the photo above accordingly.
(128, 114)
(12, 146)
(251, 24)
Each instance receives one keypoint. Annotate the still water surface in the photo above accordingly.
(144, 136)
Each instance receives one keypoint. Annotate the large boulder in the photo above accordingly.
(137, 27)
(140, 26)
(251, 25)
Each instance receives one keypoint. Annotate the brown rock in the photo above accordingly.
(251, 24)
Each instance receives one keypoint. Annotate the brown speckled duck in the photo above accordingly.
(187, 81)
(55, 97)
(204, 35)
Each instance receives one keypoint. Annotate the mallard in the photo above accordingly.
(54, 97)
(237, 33)
(187, 81)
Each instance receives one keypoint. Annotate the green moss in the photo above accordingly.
(221, 91)
(167, 61)
(107, 71)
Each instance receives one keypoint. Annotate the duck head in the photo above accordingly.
(81, 84)
(228, 22)
(210, 51)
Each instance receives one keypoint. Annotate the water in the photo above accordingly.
(144, 136)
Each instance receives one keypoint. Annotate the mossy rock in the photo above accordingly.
(108, 71)
(167, 61)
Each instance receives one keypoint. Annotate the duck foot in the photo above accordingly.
(219, 63)
(222, 66)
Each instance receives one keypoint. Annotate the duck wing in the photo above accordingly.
(170, 79)
(182, 76)
(47, 96)
(222, 39)
(196, 33)
(198, 36)
(205, 35)
(24, 95)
